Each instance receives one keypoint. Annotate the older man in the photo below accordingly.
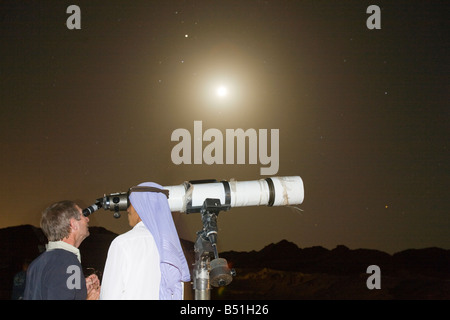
(146, 262)
(57, 273)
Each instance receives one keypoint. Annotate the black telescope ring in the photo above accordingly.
(271, 192)
(226, 188)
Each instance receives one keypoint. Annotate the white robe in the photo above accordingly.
(132, 269)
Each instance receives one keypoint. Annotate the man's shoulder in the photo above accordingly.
(62, 254)
(139, 231)
(55, 257)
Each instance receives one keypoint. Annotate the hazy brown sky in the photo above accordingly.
(363, 115)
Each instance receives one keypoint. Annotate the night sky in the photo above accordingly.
(363, 114)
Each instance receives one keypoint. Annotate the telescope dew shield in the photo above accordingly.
(274, 191)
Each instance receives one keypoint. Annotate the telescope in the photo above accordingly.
(209, 197)
(190, 196)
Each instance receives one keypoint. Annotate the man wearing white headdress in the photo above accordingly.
(146, 262)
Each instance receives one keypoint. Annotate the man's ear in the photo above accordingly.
(74, 224)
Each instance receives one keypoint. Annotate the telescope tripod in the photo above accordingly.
(209, 272)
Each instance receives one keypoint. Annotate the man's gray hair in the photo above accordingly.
(55, 221)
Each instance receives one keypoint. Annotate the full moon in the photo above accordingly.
(222, 91)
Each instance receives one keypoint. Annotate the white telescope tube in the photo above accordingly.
(274, 191)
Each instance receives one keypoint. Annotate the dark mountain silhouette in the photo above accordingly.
(278, 271)
(284, 271)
